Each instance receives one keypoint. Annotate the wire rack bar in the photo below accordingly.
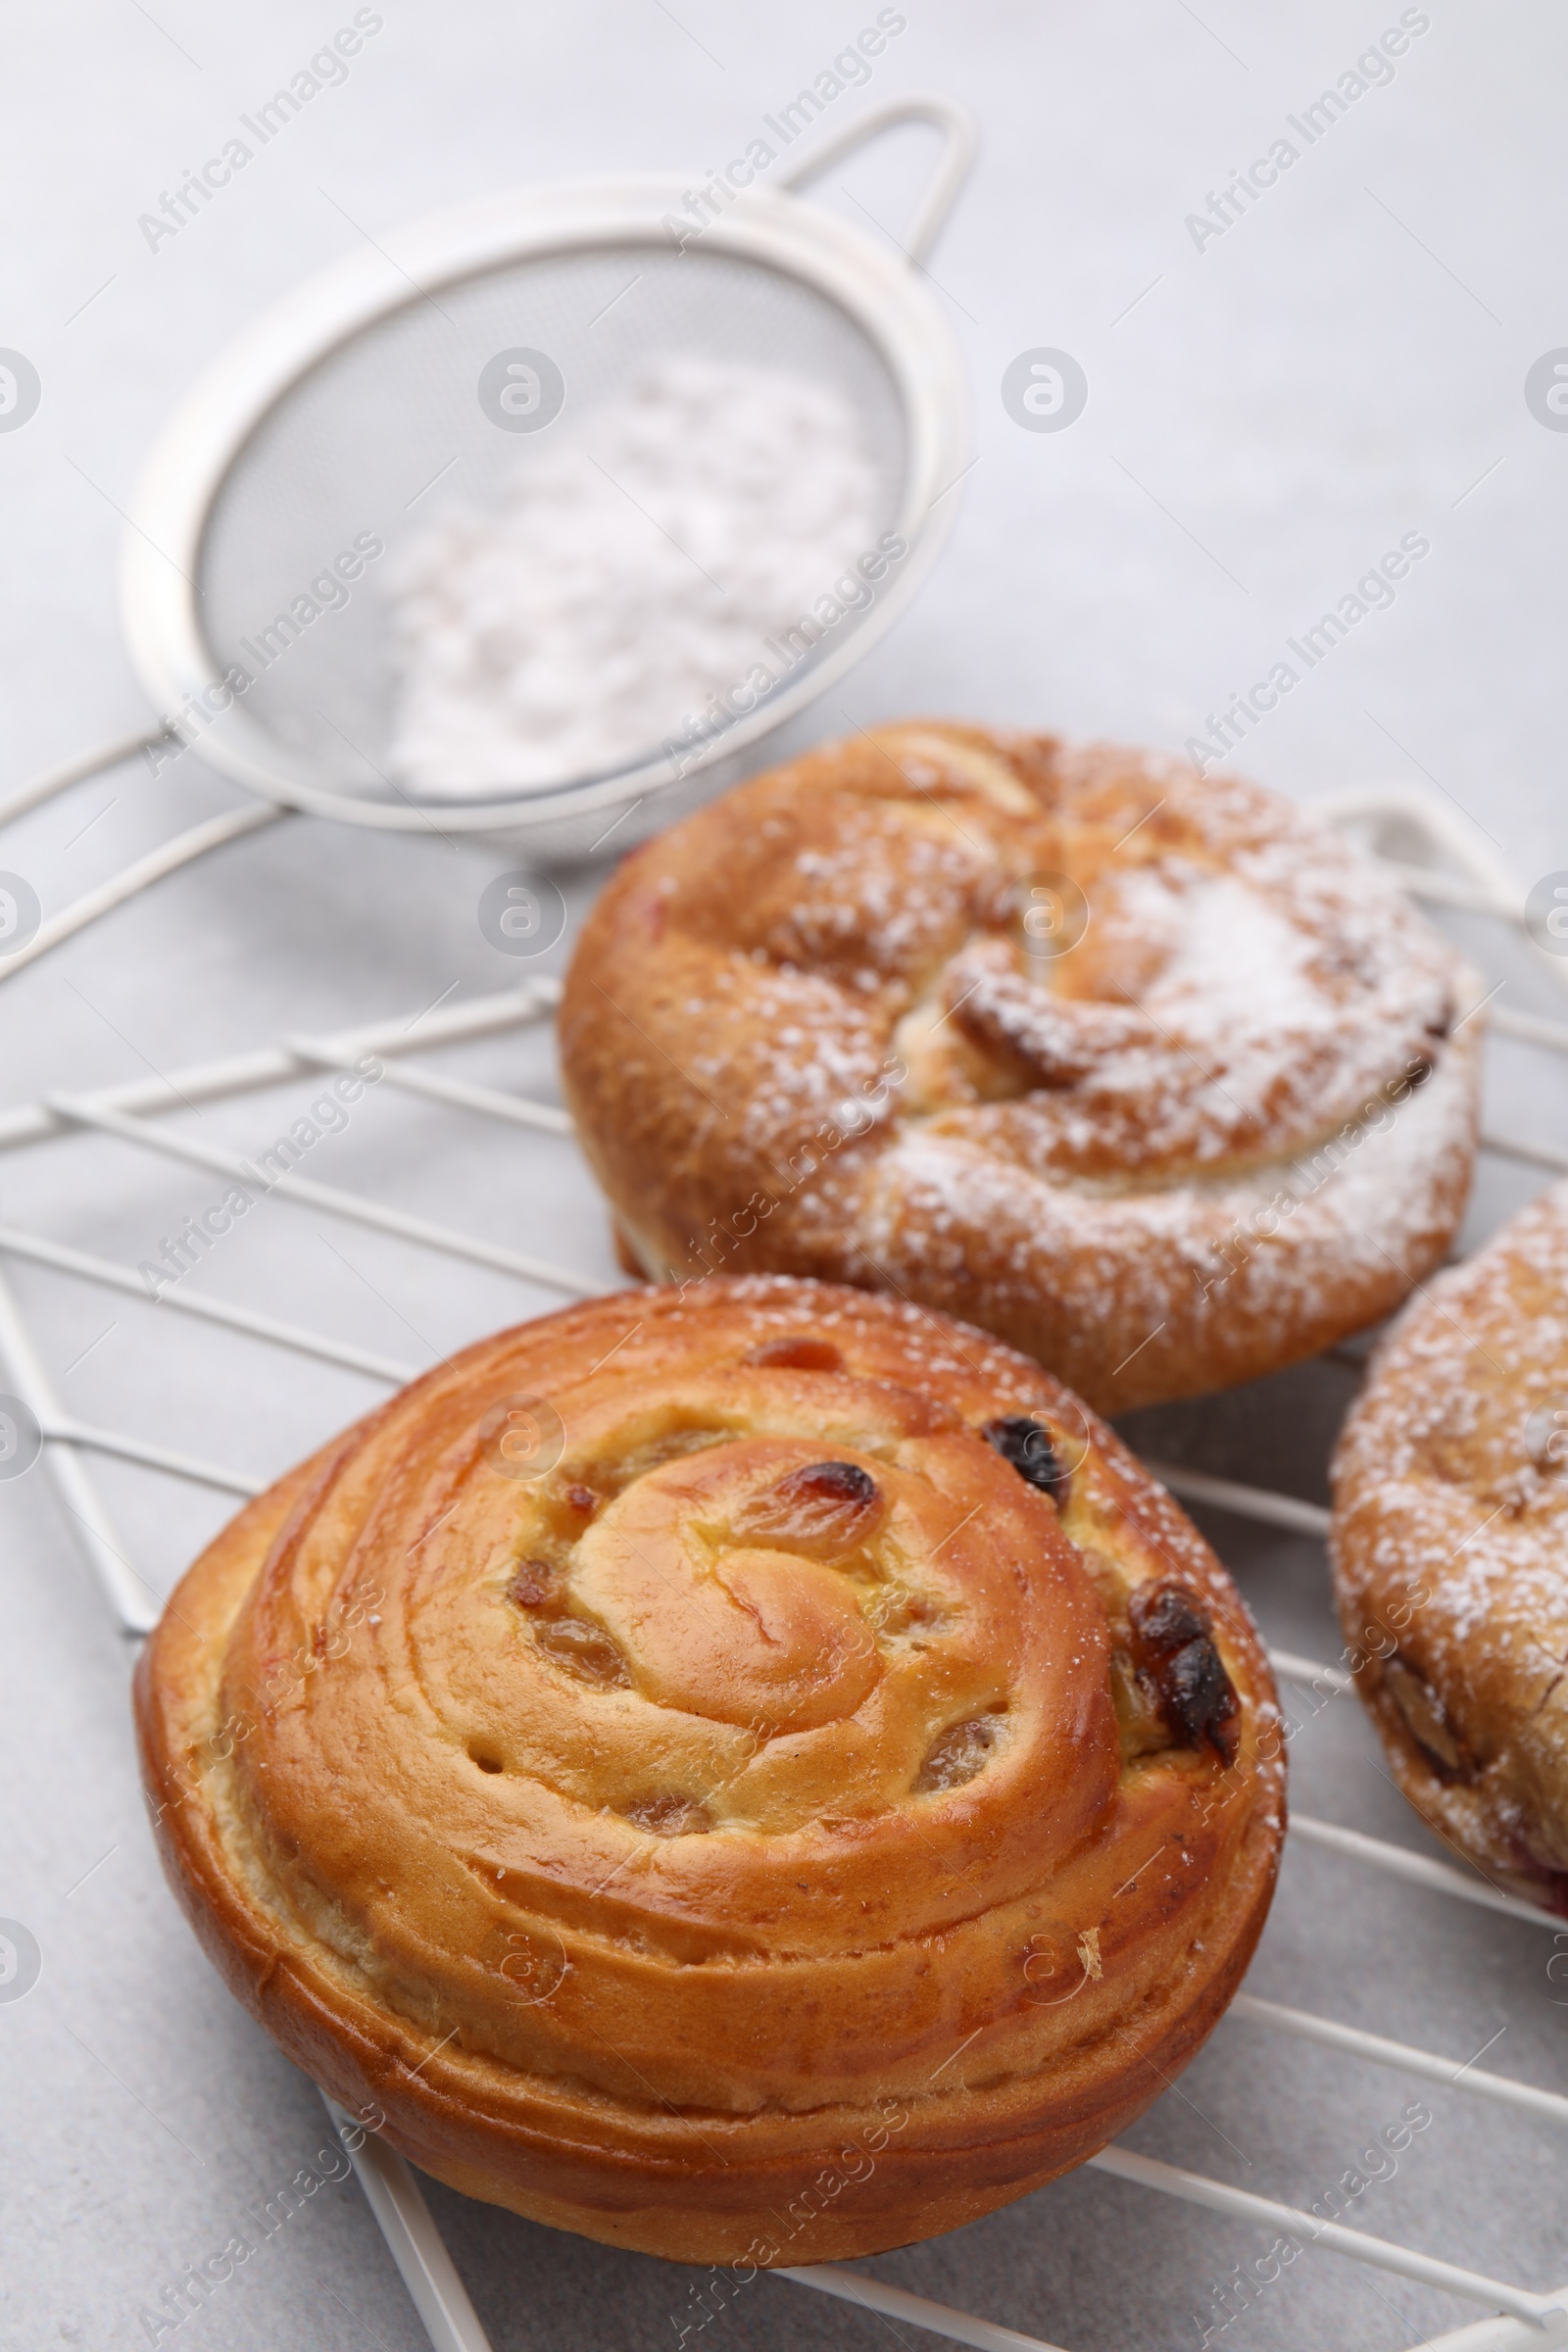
(1535, 1155)
(1454, 890)
(275, 1065)
(104, 1271)
(1529, 1028)
(487, 1100)
(151, 1458)
(212, 833)
(1502, 2335)
(85, 1113)
(895, 2303)
(1332, 2237)
(77, 770)
(1292, 1668)
(412, 2239)
(1247, 1502)
(391, 2188)
(1436, 1876)
(135, 1607)
(1457, 2073)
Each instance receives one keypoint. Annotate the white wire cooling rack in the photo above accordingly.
(1440, 861)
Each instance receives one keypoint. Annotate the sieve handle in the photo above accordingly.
(959, 142)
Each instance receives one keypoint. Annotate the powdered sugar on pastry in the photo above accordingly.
(1450, 1540)
(1233, 1120)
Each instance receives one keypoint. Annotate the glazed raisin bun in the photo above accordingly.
(759, 1776)
(1146, 1072)
(1451, 1552)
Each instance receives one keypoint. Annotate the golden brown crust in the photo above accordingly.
(756, 1824)
(1450, 1551)
(818, 1028)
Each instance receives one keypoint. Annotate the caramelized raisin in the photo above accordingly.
(586, 1649)
(533, 1586)
(824, 1506)
(1200, 1698)
(961, 1753)
(1027, 1444)
(1173, 1645)
(1166, 1618)
(670, 1817)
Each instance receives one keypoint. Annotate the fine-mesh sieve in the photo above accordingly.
(343, 417)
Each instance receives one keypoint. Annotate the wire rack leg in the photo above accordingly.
(412, 2239)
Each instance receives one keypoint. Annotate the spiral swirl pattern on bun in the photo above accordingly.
(1144, 1071)
(757, 1775)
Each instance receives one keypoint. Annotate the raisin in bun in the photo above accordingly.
(1147, 1073)
(753, 1776)
(1451, 1552)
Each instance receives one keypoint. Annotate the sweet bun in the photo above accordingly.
(758, 1777)
(1451, 1552)
(1143, 1071)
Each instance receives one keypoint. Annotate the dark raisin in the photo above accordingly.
(1173, 1643)
(1165, 1617)
(1026, 1443)
(582, 1499)
(801, 1355)
(823, 1505)
(836, 1483)
(533, 1585)
(1199, 1698)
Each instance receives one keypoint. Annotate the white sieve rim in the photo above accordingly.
(876, 287)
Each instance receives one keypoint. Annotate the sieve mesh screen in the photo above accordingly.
(384, 431)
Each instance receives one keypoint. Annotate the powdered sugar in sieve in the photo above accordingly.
(637, 565)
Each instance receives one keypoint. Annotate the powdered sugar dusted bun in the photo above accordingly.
(1147, 1073)
(1450, 1551)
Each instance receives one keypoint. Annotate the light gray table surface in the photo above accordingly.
(1266, 415)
